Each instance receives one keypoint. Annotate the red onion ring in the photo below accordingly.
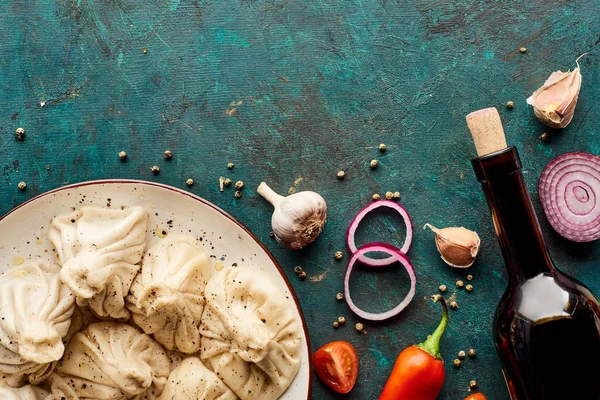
(396, 256)
(569, 190)
(379, 262)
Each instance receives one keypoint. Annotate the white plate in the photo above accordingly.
(24, 230)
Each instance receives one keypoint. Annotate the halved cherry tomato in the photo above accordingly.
(337, 365)
(476, 396)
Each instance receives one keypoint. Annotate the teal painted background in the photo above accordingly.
(291, 89)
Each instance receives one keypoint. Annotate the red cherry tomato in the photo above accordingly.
(337, 365)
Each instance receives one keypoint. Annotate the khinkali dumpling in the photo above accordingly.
(251, 335)
(36, 309)
(191, 380)
(99, 250)
(110, 360)
(27, 392)
(166, 297)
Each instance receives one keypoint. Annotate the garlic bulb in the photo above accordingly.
(458, 246)
(554, 103)
(298, 218)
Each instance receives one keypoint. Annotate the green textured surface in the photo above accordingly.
(315, 85)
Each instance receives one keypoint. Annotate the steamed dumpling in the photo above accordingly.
(110, 360)
(27, 392)
(99, 250)
(166, 297)
(191, 380)
(36, 309)
(251, 335)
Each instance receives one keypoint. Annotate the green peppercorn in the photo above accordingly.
(374, 163)
(155, 170)
(238, 194)
(382, 147)
(239, 185)
(168, 154)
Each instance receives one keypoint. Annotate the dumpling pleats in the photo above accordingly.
(191, 380)
(99, 250)
(250, 334)
(109, 360)
(167, 296)
(36, 309)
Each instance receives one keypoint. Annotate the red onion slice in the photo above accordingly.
(569, 190)
(379, 262)
(396, 256)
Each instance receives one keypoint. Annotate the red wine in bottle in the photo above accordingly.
(547, 324)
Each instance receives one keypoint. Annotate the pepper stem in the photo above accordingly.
(271, 196)
(432, 344)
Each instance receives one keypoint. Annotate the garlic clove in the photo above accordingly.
(298, 219)
(554, 103)
(458, 246)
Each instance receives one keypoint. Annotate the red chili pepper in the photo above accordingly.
(419, 370)
(476, 396)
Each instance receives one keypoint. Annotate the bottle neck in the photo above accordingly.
(515, 221)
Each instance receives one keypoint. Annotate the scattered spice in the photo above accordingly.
(374, 163)
(338, 255)
(239, 185)
(155, 170)
(302, 275)
(339, 297)
(469, 288)
(456, 363)
(460, 284)
(238, 194)
(298, 219)
(227, 182)
(473, 384)
(22, 185)
(462, 355)
(20, 134)
(389, 195)
(359, 327)
(458, 246)
(469, 277)
(523, 49)
(545, 137)
(168, 154)
(297, 269)
(230, 165)
(382, 147)
(122, 155)
(341, 174)
(341, 320)
(510, 105)
(376, 196)
(453, 304)
(336, 324)
(396, 195)
(144, 50)
(189, 182)
(443, 288)
(221, 183)
(471, 353)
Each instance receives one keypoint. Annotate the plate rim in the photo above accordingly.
(209, 204)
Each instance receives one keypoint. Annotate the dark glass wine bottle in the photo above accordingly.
(547, 324)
